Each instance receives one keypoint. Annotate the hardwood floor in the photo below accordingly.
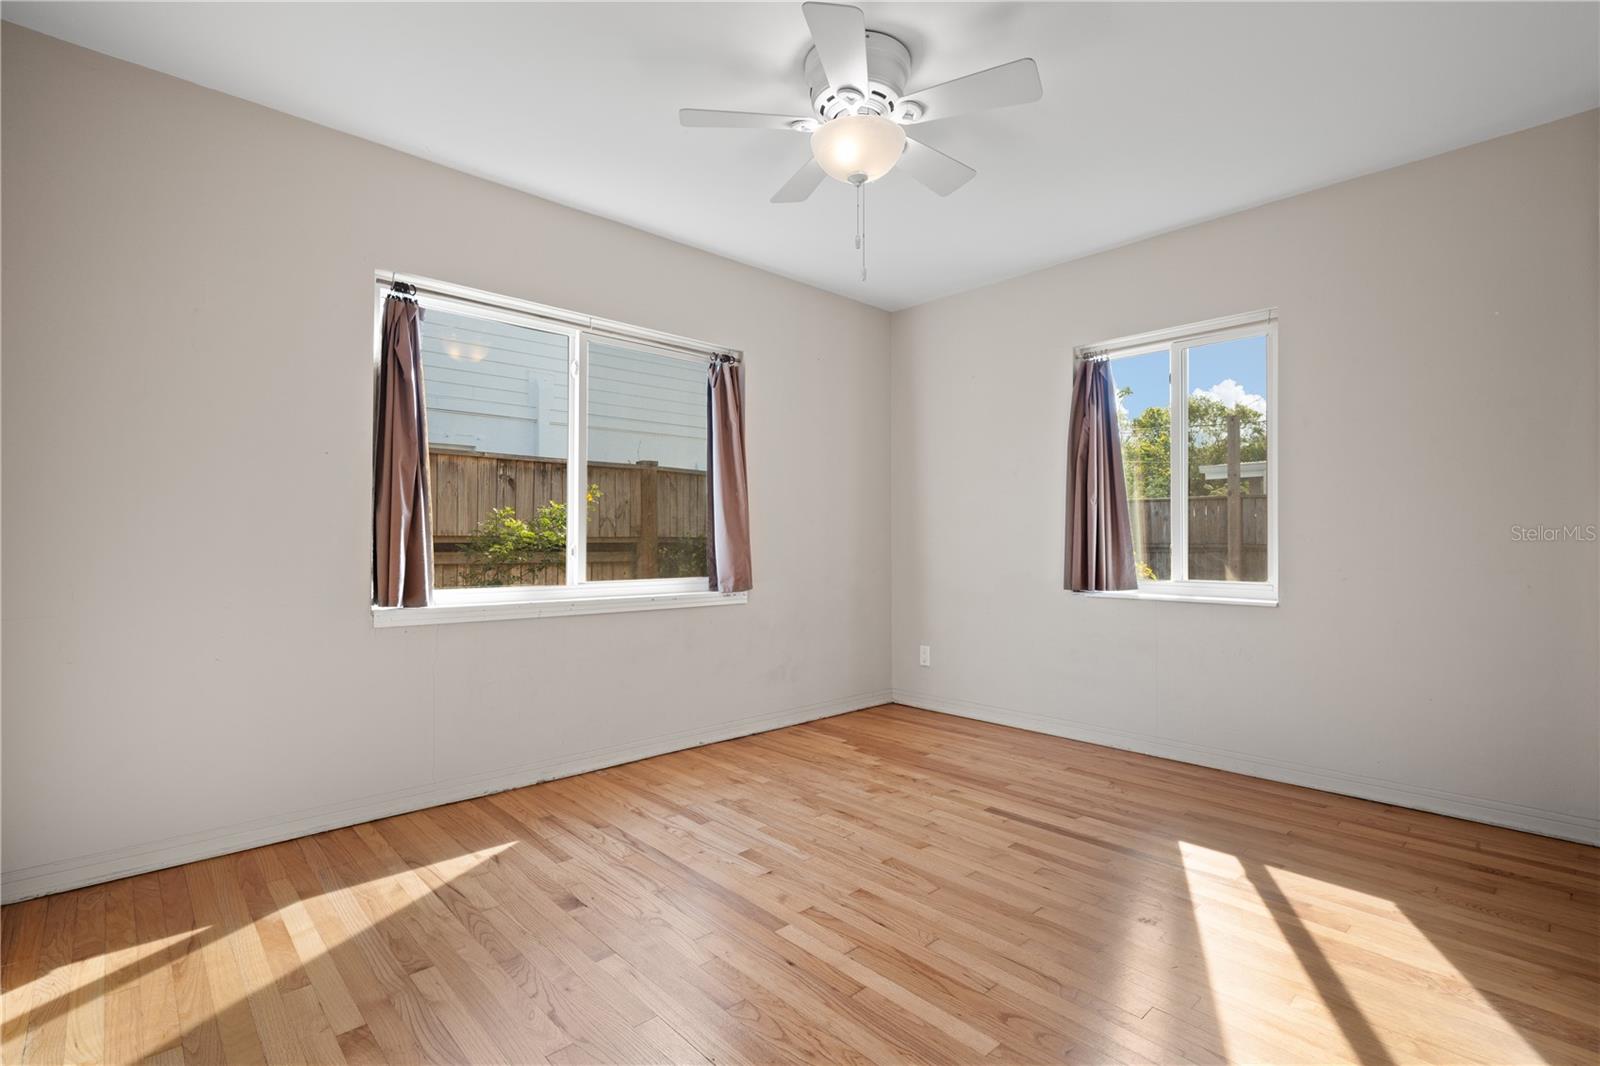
(885, 886)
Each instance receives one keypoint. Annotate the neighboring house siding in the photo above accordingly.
(493, 387)
(498, 388)
(646, 406)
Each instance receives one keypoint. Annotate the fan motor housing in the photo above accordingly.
(888, 66)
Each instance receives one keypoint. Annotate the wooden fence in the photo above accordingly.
(648, 520)
(1208, 536)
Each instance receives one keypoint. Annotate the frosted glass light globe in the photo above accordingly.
(858, 148)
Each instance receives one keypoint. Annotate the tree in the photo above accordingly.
(1147, 445)
(1146, 451)
(1208, 440)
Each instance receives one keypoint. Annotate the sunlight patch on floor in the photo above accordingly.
(237, 965)
(1344, 923)
(74, 978)
(1249, 994)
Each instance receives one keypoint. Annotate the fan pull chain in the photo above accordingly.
(858, 215)
(861, 225)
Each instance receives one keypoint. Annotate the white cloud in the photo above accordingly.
(1230, 393)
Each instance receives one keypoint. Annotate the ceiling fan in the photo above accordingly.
(856, 78)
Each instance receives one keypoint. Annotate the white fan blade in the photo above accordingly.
(840, 34)
(747, 120)
(934, 169)
(804, 182)
(1016, 82)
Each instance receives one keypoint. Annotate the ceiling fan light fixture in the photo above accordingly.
(858, 148)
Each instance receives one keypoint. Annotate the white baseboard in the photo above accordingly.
(1558, 824)
(76, 872)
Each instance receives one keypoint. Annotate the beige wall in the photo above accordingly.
(1438, 385)
(190, 660)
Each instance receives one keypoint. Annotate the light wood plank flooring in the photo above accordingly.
(885, 886)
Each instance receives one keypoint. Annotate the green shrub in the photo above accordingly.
(506, 550)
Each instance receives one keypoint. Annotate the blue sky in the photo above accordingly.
(1229, 370)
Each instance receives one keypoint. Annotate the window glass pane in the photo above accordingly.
(497, 451)
(1144, 417)
(1228, 460)
(647, 464)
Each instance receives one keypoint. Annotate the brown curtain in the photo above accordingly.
(1099, 533)
(402, 558)
(728, 545)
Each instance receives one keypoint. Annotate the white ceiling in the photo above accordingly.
(1154, 116)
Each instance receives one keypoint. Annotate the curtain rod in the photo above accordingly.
(603, 327)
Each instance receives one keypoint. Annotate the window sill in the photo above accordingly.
(487, 609)
(1258, 596)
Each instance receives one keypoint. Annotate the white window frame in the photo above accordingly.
(579, 595)
(1177, 342)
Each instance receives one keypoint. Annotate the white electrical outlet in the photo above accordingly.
(924, 655)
